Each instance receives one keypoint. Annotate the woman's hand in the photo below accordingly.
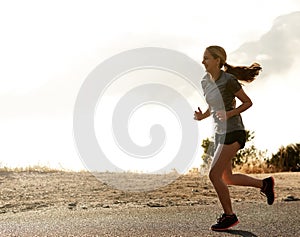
(221, 115)
(198, 115)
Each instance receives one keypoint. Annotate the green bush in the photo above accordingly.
(287, 158)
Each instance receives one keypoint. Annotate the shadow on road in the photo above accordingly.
(241, 233)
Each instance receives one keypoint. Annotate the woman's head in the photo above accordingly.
(218, 52)
(215, 58)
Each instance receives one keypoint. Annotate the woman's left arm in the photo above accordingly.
(246, 104)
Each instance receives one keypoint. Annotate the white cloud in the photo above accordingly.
(276, 50)
(262, 57)
(276, 91)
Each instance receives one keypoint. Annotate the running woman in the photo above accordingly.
(221, 88)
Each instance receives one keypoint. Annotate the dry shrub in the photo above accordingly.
(31, 169)
(255, 166)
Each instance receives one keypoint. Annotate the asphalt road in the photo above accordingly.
(256, 219)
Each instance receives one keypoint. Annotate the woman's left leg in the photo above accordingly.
(223, 156)
(240, 179)
(266, 185)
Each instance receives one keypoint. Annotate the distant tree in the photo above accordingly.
(208, 147)
(287, 158)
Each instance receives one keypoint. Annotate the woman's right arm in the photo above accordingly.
(198, 115)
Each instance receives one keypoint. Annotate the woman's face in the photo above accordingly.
(210, 63)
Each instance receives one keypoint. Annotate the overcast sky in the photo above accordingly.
(49, 47)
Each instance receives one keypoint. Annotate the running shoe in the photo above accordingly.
(225, 222)
(268, 189)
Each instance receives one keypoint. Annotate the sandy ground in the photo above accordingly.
(28, 198)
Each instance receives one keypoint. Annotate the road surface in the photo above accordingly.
(256, 219)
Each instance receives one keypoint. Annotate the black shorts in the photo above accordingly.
(231, 137)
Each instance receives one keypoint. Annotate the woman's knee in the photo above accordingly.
(227, 178)
(214, 175)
